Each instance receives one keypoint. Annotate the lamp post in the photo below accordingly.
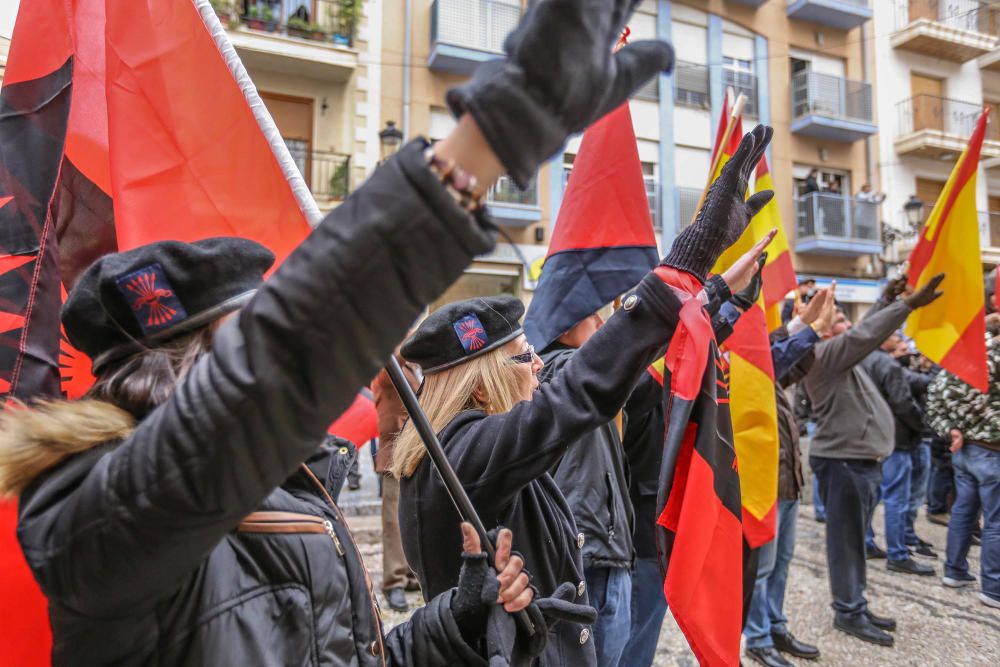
(914, 210)
(390, 139)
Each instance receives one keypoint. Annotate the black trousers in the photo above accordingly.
(849, 489)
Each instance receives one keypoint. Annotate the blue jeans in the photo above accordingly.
(767, 614)
(941, 485)
(818, 509)
(919, 478)
(896, 469)
(977, 486)
(649, 606)
(610, 590)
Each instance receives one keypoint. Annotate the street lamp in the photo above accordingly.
(914, 210)
(391, 138)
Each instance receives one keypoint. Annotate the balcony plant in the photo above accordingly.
(299, 27)
(345, 16)
(261, 18)
(339, 181)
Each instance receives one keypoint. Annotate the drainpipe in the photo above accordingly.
(407, 45)
(869, 154)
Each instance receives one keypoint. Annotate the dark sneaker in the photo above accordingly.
(353, 484)
(787, 643)
(923, 549)
(768, 656)
(958, 581)
(820, 518)
(883, 622)
(396, 598)
(862, 628)
(910, 566)
(940, 519)
(874, 552)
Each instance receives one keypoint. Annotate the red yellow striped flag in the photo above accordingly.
(751, 380)
(779, 272)
(950, 331)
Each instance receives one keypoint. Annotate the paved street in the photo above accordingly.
(937, 626)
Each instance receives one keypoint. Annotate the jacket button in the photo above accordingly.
(584, 635)
(580, 539)
(581, 588)
(630, 302)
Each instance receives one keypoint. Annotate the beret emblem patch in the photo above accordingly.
(471, 333)
(152, 299)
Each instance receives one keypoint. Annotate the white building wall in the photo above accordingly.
(893, 67)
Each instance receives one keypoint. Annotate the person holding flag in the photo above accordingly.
(182, 508)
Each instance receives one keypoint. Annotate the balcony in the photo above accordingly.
(312, 38)
(327, 174)
(958, 31)
(939, 128)
(840, 14)
(991, 61)
(514, 207)
(465, 33)
(691, 85)
(742, 82)
(836, 225)
(991, 251)
(749, 3)
(828, 107)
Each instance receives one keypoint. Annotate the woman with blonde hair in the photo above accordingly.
(502, 434)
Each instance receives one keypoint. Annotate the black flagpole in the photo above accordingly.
(454, 487)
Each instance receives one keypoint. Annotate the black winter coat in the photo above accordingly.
(503, 462)
(198, 539)
(894, 385)
(593, 477)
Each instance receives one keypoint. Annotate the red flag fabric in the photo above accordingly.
(106, 143)
(699, 532)
(359, 423)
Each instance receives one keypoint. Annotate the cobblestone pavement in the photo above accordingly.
(937, 625)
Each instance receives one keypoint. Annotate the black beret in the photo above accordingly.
(127, 301)
(464, 330)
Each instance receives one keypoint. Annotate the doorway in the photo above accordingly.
(928, 101)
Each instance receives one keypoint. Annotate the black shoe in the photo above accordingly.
(910, 566)
(820, 518)
(874, 552)
(863, 628)
(353, 484)
(787, 643)
(883, 622)
(922, 548)
(397, 599)
(940, 518)
(768, 656)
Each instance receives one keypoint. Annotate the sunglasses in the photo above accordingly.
(525, 357)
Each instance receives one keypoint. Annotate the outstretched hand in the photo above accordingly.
(739, 274)
(927, 294)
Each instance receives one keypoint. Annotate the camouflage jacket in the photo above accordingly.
(953, 404)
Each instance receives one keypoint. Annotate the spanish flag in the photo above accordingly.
(951, 331)
(751, 371)
(779, 272)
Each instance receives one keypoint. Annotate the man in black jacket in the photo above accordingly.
(593, 477)
(892, 383)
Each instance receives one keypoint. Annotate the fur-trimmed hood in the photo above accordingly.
(34, 439)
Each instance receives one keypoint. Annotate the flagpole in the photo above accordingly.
(717, 158)
(451, 482)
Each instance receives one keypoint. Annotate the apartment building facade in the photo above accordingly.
(801, 65)
(313, 64)
(938, 65)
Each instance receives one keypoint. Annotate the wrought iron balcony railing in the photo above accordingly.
(825, 215)
(825, 95)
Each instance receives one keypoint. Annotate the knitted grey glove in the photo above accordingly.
(726, 212)
(559, 76)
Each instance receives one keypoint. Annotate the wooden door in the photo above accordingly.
(994, 213)
(993, 129)
(928, 94)
(928, 191)
(924, 9)
(294, 118)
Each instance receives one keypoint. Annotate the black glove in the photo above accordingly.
(894, 288)
(926, 295)
(477, 591)
(726, 212)
(747, 297)
(717, 292)
(559, 76)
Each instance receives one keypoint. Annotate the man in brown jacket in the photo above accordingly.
(396, 574)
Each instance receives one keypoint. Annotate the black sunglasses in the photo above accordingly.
(525, 357)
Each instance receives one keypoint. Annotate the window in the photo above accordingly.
(738, 73)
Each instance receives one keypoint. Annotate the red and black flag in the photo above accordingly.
(107, 143)
(359, 423)
(699, 533)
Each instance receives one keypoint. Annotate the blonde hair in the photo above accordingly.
(444, 395)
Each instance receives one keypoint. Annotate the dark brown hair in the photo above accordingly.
(148, 378)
